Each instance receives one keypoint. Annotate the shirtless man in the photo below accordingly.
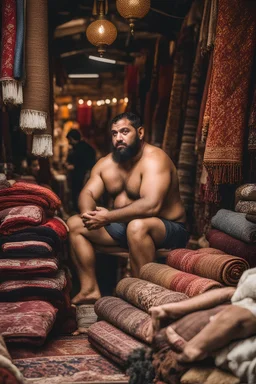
(147, 215)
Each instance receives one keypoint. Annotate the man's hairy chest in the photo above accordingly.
(120, 182)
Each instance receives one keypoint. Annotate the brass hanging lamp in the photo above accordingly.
(133, 10)
(101, 32)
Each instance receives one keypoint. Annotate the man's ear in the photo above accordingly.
(141, 132)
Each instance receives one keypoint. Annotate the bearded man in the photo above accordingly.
(147, 211)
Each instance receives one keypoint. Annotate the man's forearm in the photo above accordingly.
(86, 202)
(141, 208)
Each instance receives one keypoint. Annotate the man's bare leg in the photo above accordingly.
(233, 323)
(143, 236)
(83, 255)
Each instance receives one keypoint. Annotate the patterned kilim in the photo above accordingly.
(112, 342)
(144, 295)
(232, 246)
(235, 225)
(28, 322)
(220, 267)
(246, 207)
(9, 374)
(68, 359)
(226, 111)
(123, 316)
(175, 280)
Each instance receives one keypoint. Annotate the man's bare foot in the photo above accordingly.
(83, 298)
(79, 331)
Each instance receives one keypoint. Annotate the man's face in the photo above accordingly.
(35, 167)
(126, 141)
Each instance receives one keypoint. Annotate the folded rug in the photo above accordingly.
(23, 267)
(235, 225)
(48, 287)
(28, 193)
(26, 322)
(39, 233)
(175, 280)
(17, 218)
(232, 246)
(246, 207)
(246, 192)
(144, 295)
(220, 267)
(9, 374)
(111, 342)
(123, 316)
(27, 249)
(251, 218)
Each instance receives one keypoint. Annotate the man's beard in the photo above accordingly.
(126, 153)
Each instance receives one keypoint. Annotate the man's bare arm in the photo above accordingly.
(92, 191)
(155, 184)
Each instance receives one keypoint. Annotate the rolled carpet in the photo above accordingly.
(251, 218)
(232, 246)
(220, 267)
(123, 316)
(144, 295)
(9, 374)
(175, 280)
(111, 342)
(235, 225)
(246, 207)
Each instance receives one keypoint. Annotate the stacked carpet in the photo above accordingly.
(31, 271)
(246, 201)
(205, 262)
(176, 280)
(233, 233)
(9, 373)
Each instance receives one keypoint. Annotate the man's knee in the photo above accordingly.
(75, 224)
(136, 228)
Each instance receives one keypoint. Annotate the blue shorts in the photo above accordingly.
(176, 236)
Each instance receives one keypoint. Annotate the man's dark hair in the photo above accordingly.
(134, 119)
(74, 134)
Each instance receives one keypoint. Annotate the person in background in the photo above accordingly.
(80, 161)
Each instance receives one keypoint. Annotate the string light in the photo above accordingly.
(114, 100)
(80, 101)
(70, 106)
(89, 103)
(98, 102)
(107, 101)
(126, 100)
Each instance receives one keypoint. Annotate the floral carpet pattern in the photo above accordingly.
(68, 359)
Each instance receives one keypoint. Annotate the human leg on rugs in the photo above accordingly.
(232, 323)
(167, 312)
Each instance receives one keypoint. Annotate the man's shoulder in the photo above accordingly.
(105, 161)
(156, 154)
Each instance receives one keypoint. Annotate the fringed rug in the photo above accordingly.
(68, 359)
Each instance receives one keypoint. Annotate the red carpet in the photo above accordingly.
(68, 359)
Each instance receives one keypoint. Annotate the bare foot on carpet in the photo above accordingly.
(80, 331)
(83, 298)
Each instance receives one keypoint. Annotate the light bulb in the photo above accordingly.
(126, 99)
(89, 103)
(107, 101)
(114, 100)
(70, 106)
(80, 101)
